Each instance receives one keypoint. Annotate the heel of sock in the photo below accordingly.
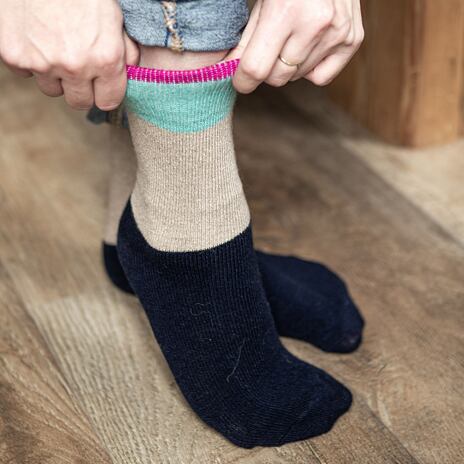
(113, 268)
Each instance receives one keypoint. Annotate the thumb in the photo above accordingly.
(132, 51)
(237, 52)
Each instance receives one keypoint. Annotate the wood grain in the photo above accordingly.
(39, 421)
(406, 83)
(429, 178)
(310, 196)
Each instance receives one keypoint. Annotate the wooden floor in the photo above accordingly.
(81, 378)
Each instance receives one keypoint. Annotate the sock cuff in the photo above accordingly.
(215, 72)
(182, 101)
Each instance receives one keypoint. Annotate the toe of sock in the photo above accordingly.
(350, 342)
(311, 302)
(319, 407)
(320, 418)
(353, 325)
(308, 404)
(346, 335)
(114, 269)
(343, 341)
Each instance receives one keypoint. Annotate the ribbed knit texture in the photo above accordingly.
(211, 319)
(310, 302)
(186, 248)
(187, 176)
(190, 184)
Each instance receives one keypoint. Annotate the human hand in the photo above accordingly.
(320, 36)
(73, 47)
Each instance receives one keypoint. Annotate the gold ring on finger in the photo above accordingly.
(288, 63)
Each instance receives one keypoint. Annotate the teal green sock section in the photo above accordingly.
(181, 107)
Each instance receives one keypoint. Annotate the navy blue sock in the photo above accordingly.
(308, 300)
(114, 269)
(209, 313)
(311, 303)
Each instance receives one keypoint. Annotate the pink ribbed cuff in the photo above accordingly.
(215, 72)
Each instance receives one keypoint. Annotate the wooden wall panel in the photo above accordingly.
(406, 82)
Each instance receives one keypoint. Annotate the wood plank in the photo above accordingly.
(429, 178)
(39, 421)
(406, 83)
(370, 88)
(43, 155)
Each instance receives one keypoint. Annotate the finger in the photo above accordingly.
(315, 57)
(236, 53)
(261, 52)
(354, 22)
(280, 74)
(109, 85)
(323, 69)
(333, 40)
(78, 94)
(49, 86)
(357, 15)
(358, 28)
(337, 34)
(329, 68)
(132, 51)
(294, 53)
(110, 90)
(18, 71)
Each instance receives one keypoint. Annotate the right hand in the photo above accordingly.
(75, 48)
(315, 38)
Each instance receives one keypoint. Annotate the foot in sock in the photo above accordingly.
(185, 245)
(311, 303)
(308, 301)
(113, 268)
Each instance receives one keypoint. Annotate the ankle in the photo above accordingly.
(157, 57)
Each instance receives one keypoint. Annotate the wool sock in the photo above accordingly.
(185, 244)
(308, 301)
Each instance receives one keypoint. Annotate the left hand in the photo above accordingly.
(320, 36)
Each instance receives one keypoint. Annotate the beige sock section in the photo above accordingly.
(188, 194)
(122, 179)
